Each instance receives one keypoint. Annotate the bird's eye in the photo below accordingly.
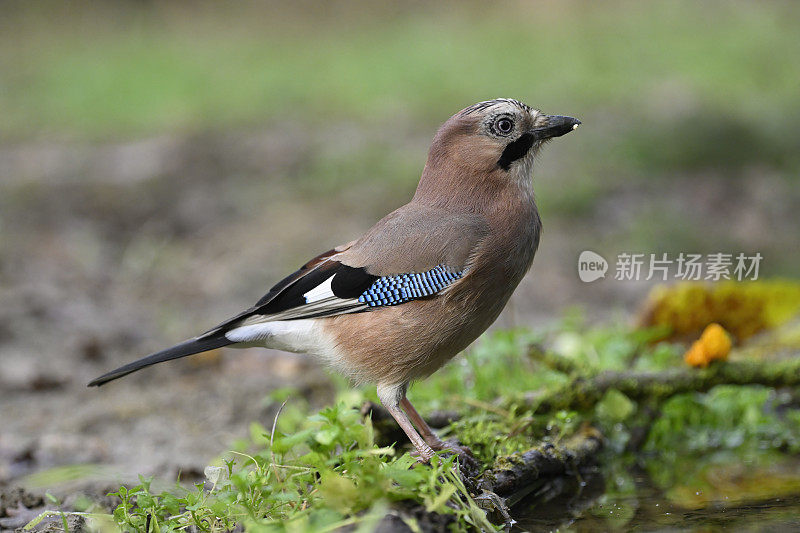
(504, 125)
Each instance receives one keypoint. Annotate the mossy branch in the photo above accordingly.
(584, 392)
(515, 476)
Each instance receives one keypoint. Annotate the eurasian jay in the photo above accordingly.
(425, 281)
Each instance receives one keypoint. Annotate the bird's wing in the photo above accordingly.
(280, 296)
(413, 253)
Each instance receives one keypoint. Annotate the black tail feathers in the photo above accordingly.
(190, 347)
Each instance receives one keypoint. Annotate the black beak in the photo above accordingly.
(555, 126)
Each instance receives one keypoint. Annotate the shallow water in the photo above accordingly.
(591, 504)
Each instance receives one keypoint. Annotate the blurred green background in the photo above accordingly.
(141, 68)
(691, 111)
(163, 163)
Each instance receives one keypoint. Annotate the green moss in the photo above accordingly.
(745, 418)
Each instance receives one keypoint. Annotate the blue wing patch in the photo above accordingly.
(393, 290)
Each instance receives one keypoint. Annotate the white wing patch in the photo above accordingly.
(319, 301)
(320, 292)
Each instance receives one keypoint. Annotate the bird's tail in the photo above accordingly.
(190, 347)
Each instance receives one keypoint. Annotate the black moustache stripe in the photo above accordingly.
(515, 150)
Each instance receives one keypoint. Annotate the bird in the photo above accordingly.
(393, 306)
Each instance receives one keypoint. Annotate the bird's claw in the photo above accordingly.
(465, 457)
(422, 456)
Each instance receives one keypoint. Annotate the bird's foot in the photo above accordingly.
(465, 457)
(469, 466)
(422, 454)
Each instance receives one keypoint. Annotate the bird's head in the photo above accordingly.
(497, 138)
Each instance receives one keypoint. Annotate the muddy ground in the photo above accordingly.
(110, 251)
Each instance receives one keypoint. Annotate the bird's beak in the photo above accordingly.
(554, 126)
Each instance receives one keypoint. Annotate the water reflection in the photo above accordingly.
(592, 502)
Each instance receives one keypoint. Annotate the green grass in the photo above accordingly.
(93, 72)
(327, 474)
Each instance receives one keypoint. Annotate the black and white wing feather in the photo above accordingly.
(333, 288)
(322, 287)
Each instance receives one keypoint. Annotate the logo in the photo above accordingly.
(591, 266)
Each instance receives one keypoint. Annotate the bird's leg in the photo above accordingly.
(391, 396)
(425, 430)
(430, 436)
